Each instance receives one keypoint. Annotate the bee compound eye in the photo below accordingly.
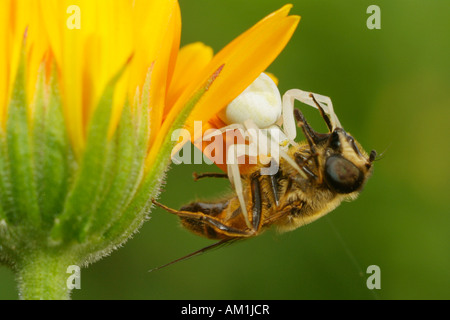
(342, 175)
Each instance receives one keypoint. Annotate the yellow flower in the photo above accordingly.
(90, 92)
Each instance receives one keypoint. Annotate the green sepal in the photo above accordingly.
(6, 200)
(86, 190)
(53, 156)
(121, 166)
(132, 140)
(19, 157)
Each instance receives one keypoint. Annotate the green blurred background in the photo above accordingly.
(390, 88)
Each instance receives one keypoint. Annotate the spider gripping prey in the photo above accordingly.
(312, 177)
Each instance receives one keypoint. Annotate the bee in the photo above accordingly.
(312, 179)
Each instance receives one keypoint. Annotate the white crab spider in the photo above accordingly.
(258, 107)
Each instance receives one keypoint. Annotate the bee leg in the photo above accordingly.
(208, 175)
(303, 161)
(311, 136)
(256, 202)
(219, 228)
(273, 182)
(327, 105)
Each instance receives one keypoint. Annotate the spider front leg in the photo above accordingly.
(318, 101)
(233, 153)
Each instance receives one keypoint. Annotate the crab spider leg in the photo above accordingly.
(235, 177)
(289, 97)
(305, 97)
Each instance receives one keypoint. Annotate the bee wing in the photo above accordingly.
(216, 245)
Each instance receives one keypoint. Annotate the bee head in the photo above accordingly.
(346, 166)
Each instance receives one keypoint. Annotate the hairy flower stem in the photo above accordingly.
(42, 275)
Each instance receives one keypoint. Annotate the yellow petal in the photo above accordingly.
(176, 38)
(5, 43)
(14, 16)
(68, 48)
(164, 61)
(191, 58)
(87, 58)
(244, 62)
(151, 21)
(243, 59)
(37, 49)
